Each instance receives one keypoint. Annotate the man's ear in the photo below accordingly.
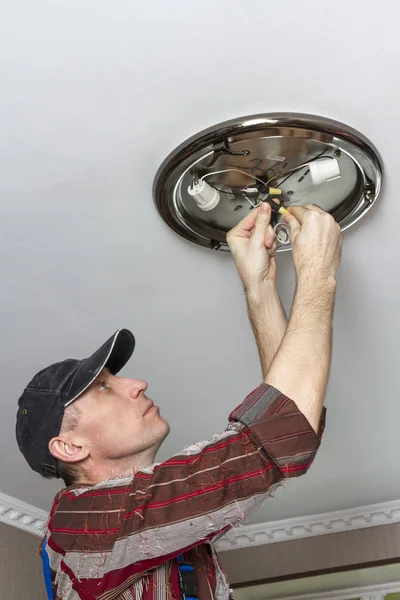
(67, 451)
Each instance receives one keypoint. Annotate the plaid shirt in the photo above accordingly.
(120, 538)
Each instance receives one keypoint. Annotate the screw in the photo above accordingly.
(215, 245)
(282, 233)
(282, 236)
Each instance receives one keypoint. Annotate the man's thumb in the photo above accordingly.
(294, 226)
(263, 219)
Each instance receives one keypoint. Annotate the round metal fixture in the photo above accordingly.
(282, 232)
(211, 181)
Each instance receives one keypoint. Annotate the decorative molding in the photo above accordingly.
(22, 515)
(361, 517)
(29, 518)
(369, 592)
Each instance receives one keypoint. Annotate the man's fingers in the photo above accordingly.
(263, 219)
(294, 225)
(299, 212)
(315, 208)
(272, 250)
(269, 237)
(245, 227)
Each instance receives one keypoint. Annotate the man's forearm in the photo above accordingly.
(301, 366)
(268, 320)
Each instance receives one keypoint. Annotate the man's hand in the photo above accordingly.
(253, 246)
(316, 242)
(301, 365)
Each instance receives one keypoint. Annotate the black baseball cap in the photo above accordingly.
(41, 406)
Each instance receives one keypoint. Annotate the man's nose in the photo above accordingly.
(136, 386)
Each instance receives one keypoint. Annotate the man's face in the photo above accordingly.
(118, 419)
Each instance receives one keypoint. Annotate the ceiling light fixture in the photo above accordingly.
(295, 159)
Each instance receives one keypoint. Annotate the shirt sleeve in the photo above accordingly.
(119, 531)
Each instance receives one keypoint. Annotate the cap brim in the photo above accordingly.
(113, 355)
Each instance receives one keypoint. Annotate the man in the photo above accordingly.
(127, 528)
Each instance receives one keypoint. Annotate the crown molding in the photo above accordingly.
(33, 520)
(368, 592)
(360, 517)
(22, 515)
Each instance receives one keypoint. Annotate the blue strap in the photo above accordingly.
(185, 567)
(48, 580)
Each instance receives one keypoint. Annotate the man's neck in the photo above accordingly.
(93, 473)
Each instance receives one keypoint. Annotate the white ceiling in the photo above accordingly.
(93, 96)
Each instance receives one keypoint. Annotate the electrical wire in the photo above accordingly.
(290, 172)
(226, 191)
(252, 169)
(295, 169)
(237, 170)
(288, 176)
(248, 200)
(276, 177)
(255, 204)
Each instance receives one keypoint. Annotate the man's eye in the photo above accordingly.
(103, 385)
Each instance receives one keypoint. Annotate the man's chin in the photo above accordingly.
(167, 429)
(162, 436)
